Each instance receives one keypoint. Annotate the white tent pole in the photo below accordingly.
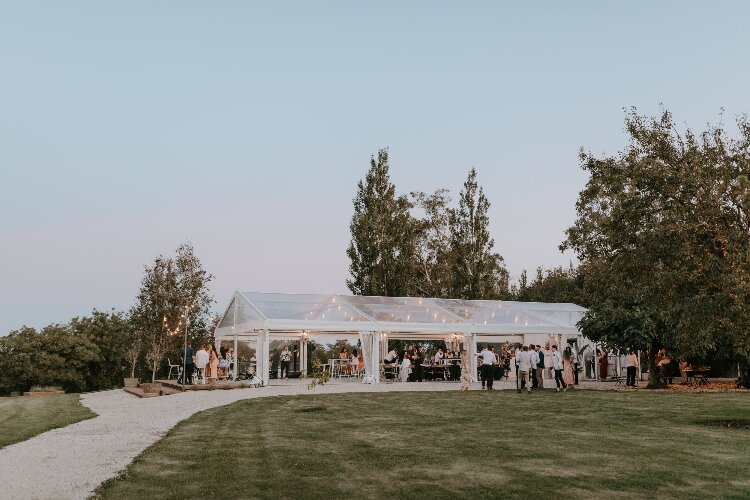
(234, 366)
(375, 358)
(619, 371)
(262, 356)
(303, 354)
(596, 362)
(638, 353)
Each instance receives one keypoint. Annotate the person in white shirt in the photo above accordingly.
(201, 360)
(631, 365)
(439, 357)
(524, 367)
(515, 361)
(534, 364)
(391, 357)
(588, 362)
(557, 366)
(488, 368)
(405, 367)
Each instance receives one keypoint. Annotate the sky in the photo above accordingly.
(127, 128)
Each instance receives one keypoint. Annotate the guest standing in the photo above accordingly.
(525, 366)
(588, 362)
(213, 362)
(576, 366)
(557, 366)
(540, 367)
(186, 358)
(534, 363)
(603, 362)
(568, 368)
(631, 365)
(488, 360)
(285, 358)
(417, 359)
(201, 361)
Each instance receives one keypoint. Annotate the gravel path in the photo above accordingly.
(72, 461)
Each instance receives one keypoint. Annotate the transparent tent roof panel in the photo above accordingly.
(251, 309)
(490, 312)
(303, 307)
(401, 310)
(241, 312)
(562, 314)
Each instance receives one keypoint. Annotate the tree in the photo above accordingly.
(173, 290)
(558, 284)
(383, 244)
(433, 251)
(110, 333)
(477, 271)
(663, 232)
(54, 356)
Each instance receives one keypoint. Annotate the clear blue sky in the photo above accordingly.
(243, 127)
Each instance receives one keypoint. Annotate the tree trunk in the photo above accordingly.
(655, 380)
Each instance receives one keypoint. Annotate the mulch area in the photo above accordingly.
(722, 386)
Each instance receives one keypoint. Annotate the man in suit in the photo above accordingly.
(540, 367)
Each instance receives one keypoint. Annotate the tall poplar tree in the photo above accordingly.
(477, 271)
(383, 244)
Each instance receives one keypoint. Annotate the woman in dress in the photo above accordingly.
(360, 363)
(603, 362)
(416, 361)
(213, 363)
(568, 368)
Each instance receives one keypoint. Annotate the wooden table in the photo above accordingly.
(698, 375)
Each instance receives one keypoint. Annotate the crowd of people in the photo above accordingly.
(532, 364)
(206, 364)
(415, 366)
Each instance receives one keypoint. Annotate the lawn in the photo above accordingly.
(24, 417)
(446, 445)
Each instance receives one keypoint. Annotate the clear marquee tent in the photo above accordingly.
(262, 317)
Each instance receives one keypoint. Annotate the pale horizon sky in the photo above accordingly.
(243, 127)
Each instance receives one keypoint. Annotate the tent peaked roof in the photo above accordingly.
(249, 312)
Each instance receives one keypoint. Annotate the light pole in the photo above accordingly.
(184, 349)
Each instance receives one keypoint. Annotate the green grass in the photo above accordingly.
(446, 445)
(24, 417)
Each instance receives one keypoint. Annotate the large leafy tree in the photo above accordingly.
(383, 245)
(54, 356)
(477, 272)
(174, 290)
(663, 232)
(110, 332)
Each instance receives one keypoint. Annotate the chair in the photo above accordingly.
(200, 375)
(172, 367)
